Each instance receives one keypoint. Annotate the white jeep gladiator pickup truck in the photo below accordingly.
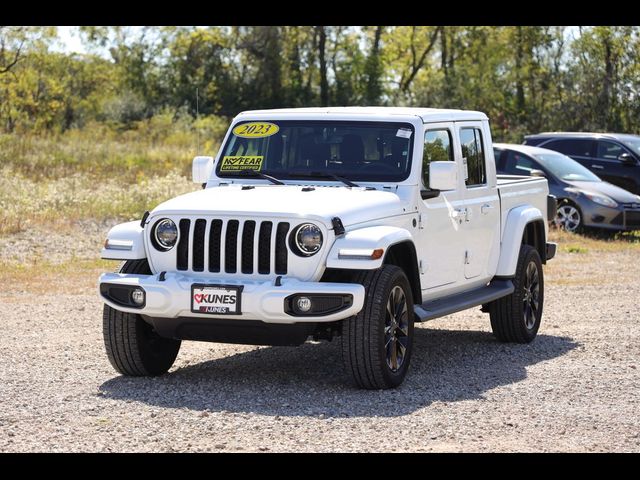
(331, 222)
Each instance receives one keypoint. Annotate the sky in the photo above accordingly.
(69, 39)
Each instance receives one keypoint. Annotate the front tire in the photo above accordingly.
(378, 341)
(516, 317)
(132, 346)
(569, 217)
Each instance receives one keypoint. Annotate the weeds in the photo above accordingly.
(24, 201)
(153, 147)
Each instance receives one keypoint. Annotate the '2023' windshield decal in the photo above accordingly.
(255, 130)
(241, 162)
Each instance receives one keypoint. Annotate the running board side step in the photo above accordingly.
(461, 301)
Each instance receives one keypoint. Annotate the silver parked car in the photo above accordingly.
(584, 200)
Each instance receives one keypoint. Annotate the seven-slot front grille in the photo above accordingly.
(234, 246)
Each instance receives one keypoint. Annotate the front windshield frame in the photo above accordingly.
(549, 164)
(295, 176)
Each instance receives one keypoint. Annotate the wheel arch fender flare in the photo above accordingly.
(353, 250)
(524, 224)
(125, 241)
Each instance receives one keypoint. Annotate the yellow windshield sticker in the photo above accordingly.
(239, 163)
(255, 130)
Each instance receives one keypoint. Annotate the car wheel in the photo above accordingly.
(516, 317)
(132, 345)
(568, 217)
(378, 341)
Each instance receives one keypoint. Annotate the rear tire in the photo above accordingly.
(132, 346)
(516, 317)
(378, 341)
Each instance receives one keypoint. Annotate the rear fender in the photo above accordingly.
(515, 225)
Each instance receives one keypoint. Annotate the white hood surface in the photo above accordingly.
(352, 205)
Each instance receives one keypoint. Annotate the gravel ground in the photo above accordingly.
(576, 388)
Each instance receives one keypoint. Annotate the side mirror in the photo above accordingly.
(201, 170)
(627, 159)
(537, 173)
(443, 176)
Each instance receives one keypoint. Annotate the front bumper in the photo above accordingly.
(620, 218)
(265, 301)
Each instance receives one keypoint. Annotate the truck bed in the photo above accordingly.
(517, 190)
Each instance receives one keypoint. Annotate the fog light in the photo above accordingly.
(137, 295)
(303, 304)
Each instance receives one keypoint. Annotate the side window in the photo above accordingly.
(577, 147)
(437, 148)
(471, 141)
(519, 164)
(497, 154)
(609, 150)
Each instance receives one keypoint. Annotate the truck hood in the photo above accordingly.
(352, 205)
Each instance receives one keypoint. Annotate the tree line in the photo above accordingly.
(527, 79)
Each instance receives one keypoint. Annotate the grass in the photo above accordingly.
(74, 277)
(98, 172)
(595, 241)
(151, 147)
(592, 258)
(575, 249)
(24, 201)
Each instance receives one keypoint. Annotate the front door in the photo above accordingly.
(482, 203)
(610, 168)
(442, 242)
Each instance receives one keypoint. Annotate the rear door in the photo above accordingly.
(482, 220)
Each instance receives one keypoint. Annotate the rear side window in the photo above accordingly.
(609, 150)
(437, 148)
(497, 154)
(473, 153)
(577, 147)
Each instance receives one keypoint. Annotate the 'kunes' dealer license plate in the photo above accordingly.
(216, 299)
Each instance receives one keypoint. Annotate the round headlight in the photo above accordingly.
(165, 234)
(308, 239)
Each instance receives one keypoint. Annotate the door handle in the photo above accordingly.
(597, 167)
(486, 208)
(458, 214)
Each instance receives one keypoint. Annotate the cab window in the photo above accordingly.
(437, 148)
(473, 155)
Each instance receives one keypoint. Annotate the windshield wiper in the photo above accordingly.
(333, 176)
(256, 173)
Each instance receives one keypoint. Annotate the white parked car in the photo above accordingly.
(331, 222)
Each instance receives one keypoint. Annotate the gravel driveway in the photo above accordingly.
(576, 388)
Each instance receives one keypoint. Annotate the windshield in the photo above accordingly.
(633, 144)
(366, 151)
(566, 168)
